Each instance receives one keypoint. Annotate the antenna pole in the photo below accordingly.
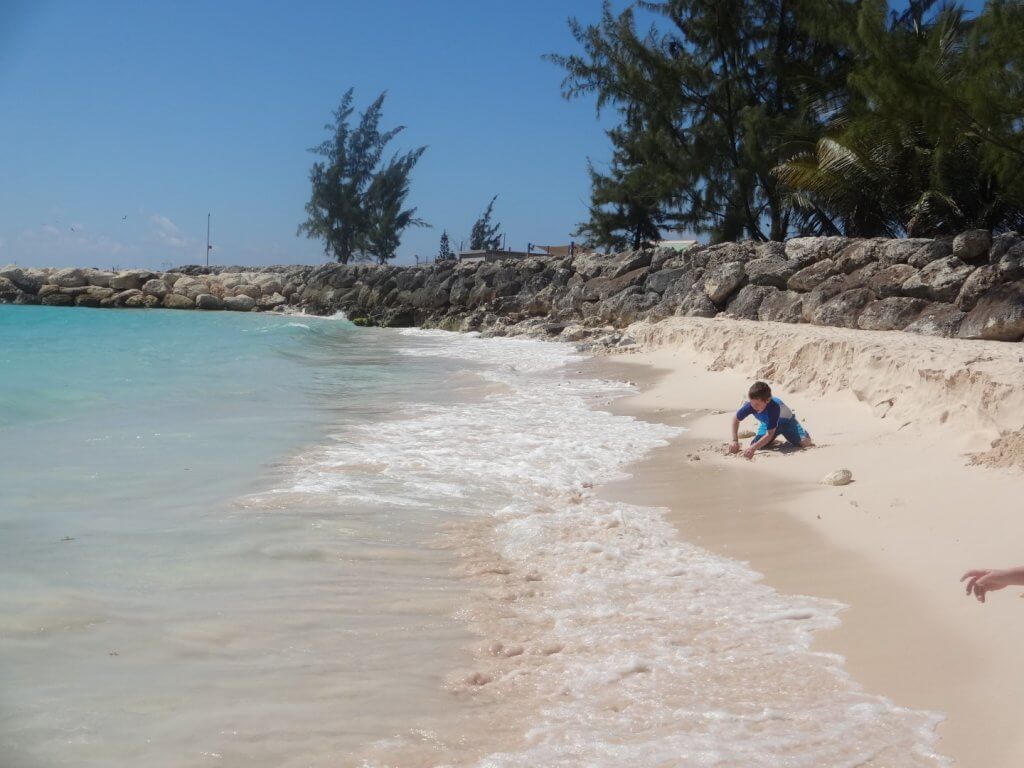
(207, 239)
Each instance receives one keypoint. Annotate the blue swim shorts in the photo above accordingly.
(791, 429)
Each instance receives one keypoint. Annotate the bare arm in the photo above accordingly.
(768, 437)
(989, 580)
(734, 446)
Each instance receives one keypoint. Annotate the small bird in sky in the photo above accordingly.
(124, 218)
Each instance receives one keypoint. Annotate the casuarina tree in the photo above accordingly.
(485, 236)
(444, 251)
(355, 205)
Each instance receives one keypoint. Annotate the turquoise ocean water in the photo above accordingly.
(152, 607)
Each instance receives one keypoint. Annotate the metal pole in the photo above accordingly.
(207, 240)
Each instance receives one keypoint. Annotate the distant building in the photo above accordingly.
(676, 245)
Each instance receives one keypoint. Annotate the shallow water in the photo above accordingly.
(386, 551)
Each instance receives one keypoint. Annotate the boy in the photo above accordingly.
(776, 419)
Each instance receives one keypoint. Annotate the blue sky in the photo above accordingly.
(124, 123)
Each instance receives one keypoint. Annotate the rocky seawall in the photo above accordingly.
(970, 286)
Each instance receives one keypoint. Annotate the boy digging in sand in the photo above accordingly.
(775, 417)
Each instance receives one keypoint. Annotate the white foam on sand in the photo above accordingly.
(608, 640)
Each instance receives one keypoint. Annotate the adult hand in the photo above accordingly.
(986, 580)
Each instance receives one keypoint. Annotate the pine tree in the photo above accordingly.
(355, 203)
(444, 252)
(485, 236)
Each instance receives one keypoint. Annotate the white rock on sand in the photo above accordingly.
(839, 477)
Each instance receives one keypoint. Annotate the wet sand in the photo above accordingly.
(891, 546)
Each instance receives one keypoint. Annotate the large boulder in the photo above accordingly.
(696, 304)
(600, 288)
(806, 250)
(937, 320)
(130, 297)
(939, 280)
(811, 276)
(209, 301)
(156, 287)
(273, 301)
(981, 281)
(269, 283)
(27, 280)
(191, 287)
(932, 250)
(721, 280)
(659, 282)
(57, 299)
(100, 279)
(972, 245)
(9, 292)
(1010, 266)
(842, 310)
(856, 255)
(178, 301)
(900, 251)
(826, 291)
(129, 280)
(629, 261)
(781, 307)
(998, 315)
(891, 314)
(747, 301)
(68, 278)
(240, 303)
(770, 270)
(889, 280)
(1001, 244)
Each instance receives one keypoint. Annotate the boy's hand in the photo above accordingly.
(734, 446)
(749, 453)
(986, 580)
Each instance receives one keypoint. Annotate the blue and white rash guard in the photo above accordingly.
(775, 412)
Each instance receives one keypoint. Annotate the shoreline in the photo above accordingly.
(890, 546)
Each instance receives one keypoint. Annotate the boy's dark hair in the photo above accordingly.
(759, 391)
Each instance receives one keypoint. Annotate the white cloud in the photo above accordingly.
(167, 232)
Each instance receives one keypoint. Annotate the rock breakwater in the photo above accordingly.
(970, 286)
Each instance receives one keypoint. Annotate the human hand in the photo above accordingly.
(986, 580)
(734, 446)
(749, 453)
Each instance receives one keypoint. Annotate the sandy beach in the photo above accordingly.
(908, 417)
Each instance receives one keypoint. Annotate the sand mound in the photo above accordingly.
(972, 387)
(1007, 451)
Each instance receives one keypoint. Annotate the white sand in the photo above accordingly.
(900, 412)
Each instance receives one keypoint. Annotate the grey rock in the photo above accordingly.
(889, 281)
(209, 301)
(130, 297)
(782, 307)
(937, 320)
(68, 278)
(998, 315)
(722, 280)
(129, 280)
(826, 291)
(939, 280)
(100, 278)
(178, 301)
(599, 288)
(156, 288)
(1010, 266)
(57, 299)
(980, 282)
(273, 301)
(659, 282)
(1001, 244)
(842, 310)
(9, 292)
(30, 280)
(891, 314)
(810, 249)
(770, 270)
(939, 248)
(627, 262)
(240, 303)
(900, 251)
(747, 301)
(972, 245)
(856, 255)
(696, 304)
(810, 277)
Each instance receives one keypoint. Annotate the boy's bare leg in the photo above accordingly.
(806, 442)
